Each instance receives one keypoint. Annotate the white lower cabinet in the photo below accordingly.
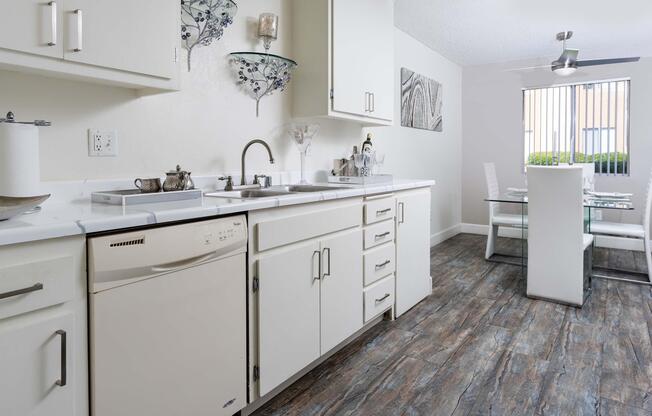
(36, 363)
(309, 299)
(43, 329)
(341, 286)
(288, 318)
(413, 282)
(306, 292)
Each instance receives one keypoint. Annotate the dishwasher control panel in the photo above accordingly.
(224, 233)
(127, 257)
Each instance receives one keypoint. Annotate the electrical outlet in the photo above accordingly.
(102, 142)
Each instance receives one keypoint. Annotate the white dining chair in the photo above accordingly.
(635, 231)
(496, 218)
(559, 252)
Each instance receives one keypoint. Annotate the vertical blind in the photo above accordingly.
(578, 123)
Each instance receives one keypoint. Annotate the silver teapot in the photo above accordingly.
(178, 180)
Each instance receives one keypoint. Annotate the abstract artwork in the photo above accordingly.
(421, 101)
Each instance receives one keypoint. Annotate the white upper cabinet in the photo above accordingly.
(145, 31)
(31, 26)
(130, 43)
(379, 56)
(345, 51)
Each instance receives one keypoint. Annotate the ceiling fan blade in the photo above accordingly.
(593, 62)
(527, 68)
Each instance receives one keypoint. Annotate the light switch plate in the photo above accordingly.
(102, 143)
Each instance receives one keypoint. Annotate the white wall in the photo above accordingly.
(205, 126)
(413, 153)
(492, 110)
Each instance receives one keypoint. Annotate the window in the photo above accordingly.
(583, 123)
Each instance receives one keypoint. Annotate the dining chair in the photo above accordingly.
(559, 252)
(635, 231)
(496, 218)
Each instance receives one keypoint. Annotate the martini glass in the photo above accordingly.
(302, 134)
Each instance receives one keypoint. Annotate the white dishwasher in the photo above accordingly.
(168, 320)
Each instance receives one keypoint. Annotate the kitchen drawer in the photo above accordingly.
(36, 285)
(377, 234)
(378, 298)
(379, 210)
(303, 226)
(379, 262)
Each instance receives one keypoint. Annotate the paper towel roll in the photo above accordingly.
(20, 174)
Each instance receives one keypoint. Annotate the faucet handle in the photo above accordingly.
(229, 182)
(264, 181)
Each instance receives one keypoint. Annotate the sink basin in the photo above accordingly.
(308, 188)
(247, 194)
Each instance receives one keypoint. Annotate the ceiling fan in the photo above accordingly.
(567, 63)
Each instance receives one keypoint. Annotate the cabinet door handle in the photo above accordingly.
(373, 102)
(383, 235)
(53, 22)
(318, 254)
(37, 286)
(366, 102)
(383, 264)
(401, 206)
(383, 298)
(327, 249)
(80, 30)
(64, 361)
(383, 211)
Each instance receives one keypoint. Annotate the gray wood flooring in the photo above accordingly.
(478, 346)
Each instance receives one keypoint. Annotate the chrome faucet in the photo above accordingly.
(244, 153)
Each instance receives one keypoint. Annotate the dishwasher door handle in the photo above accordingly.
(168, 267)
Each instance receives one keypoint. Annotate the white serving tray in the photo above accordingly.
(361, 180)
(135, 197)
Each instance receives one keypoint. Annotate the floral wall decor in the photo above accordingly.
(203, 21)
(260, 74)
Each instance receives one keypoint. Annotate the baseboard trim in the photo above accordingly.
(600, 240)
(444, 235)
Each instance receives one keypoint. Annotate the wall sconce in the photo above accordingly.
(268, 29)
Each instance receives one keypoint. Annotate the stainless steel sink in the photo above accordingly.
(307, 188)
(278, 190)
(248, 194)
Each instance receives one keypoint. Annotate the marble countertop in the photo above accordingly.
(77, 216)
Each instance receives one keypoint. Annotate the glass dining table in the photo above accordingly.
(520, 201)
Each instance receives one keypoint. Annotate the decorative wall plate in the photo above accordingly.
(203, 21)
(260, 74)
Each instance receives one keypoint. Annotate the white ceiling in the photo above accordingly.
(475, 32)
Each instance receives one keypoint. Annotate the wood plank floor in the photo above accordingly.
(478, 346)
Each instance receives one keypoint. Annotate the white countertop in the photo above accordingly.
(60, 218)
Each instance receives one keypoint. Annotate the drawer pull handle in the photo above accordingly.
(80, 30)
(383, 211)
(64, 376)
(383, 264)
(383, 235)
(383, 298)
(327, 249)
(318, 254)
(53, 22)
(37, 286)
